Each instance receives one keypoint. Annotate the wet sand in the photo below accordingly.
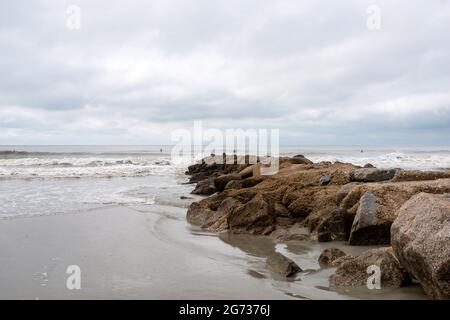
(151, 252)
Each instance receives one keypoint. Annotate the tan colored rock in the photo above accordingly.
(281, 265)
(255, 217)
(247, 172)
(354, 272)
(421, 242)
(197, 214)
(329, 255)
(344, 191)
(339, 261)
(293, 196)
(417, 175)
(387, 197)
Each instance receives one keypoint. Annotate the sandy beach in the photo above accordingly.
(122, 253)
(142, 253)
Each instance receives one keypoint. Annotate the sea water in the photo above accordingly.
(48, 180)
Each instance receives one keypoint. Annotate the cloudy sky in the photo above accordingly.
(323, 72)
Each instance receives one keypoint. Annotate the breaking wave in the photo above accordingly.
(410, 161)
(55, 166)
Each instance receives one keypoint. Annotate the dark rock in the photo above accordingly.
(354, 272)
(329, 255)
(197, 177)
(334, 226)
(372, 175)
(280, 210)
(244, 183)
(369, 165)
(367, 229)
(421, 242)
(324, 237)
(204, 187)
(185, 198)
(299, 159)
(221, 181)
(325, 179)
(280, 264)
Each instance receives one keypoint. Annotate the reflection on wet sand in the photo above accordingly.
(312, 282)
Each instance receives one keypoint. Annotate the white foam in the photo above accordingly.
(27, 168)
(410, 161)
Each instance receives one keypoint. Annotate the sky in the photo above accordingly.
(131, 72)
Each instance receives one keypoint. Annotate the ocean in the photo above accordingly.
(49, 180)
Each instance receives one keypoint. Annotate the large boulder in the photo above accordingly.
(421, 242)
(281, 265)
(372, 175)
(256, 217)
(329, 255)
(221, 181)
(354, 272)
(368, 228)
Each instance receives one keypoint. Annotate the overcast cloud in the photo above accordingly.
(136, 71)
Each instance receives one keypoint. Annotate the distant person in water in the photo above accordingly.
(160, 150)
